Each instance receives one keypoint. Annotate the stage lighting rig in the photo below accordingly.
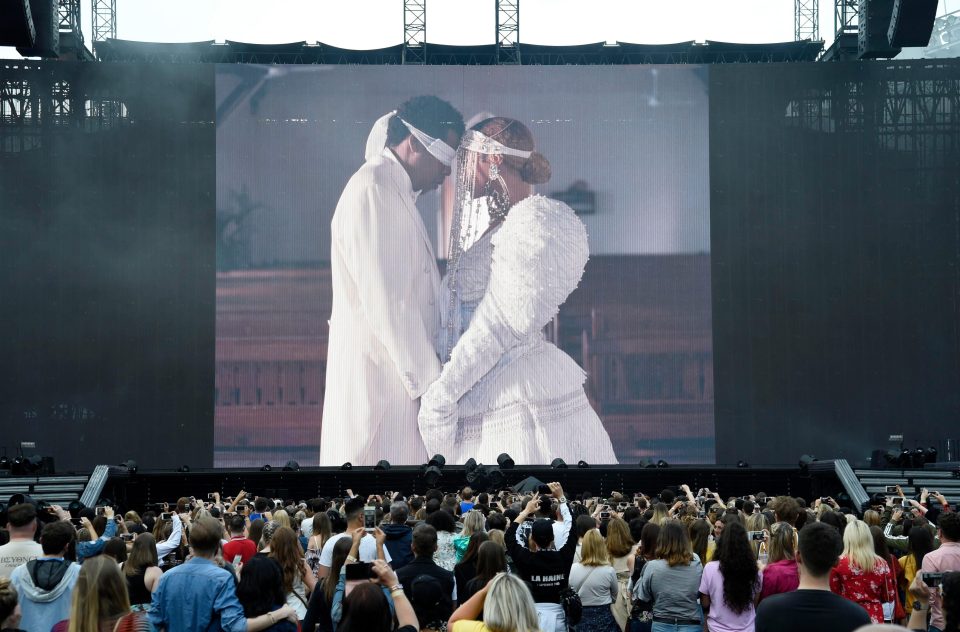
(558, 464)
(291, 466)
(505, 461)
(438, 461)
(382, 464)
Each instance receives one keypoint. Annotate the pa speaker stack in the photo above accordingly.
(912, 22)
(874, 20)
(32, 26)
(16, 24)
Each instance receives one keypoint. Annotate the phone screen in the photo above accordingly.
(236, 559)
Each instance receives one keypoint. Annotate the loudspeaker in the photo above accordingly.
(872, 43)
(912, 22)
(16, 24)
(47, 24)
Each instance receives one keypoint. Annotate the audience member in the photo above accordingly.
(861, 575)
(781, 574)
(368, 609)
(920, 543)
(298, 580)
(353, 510)
(22, 527)
(423, 574)
(9, 607)
(142, 572)
(200, 594)
(813, 606)
(239, 548)
(730, 585)
(100, 601)
(672, 581)
(45, 585)
(321, 599)
(545, 569)
(260, 591)
(595, 580)
(491, 559)
(446, 526)
(943, 560)
(505, 604)
(399, 535)
(466, 570)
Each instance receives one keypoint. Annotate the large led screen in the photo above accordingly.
(629, 156)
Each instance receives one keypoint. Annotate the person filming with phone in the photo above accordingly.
(942, 560)
(546, 570)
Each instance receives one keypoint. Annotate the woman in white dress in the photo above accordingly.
(503, 387)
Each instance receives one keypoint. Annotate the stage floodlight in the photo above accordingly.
(645, 462)
(931, 455)
(4, 462)
(470, 465)
(266, 468)
(432, 475)
(183, 468)
(130, 465)
(742, 464)
(497, 480)
(291, 466)
(661, 464)
(806, 460)
(382, 464)
(558, 464)
(347, 466)
(505, 461)
(437, 461)
(582, 464)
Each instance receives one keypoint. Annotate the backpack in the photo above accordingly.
(572, 606)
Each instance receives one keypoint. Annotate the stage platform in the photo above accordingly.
(141, 488)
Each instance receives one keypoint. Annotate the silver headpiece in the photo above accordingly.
(471, 146)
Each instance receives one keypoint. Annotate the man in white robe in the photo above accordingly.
(386, 288)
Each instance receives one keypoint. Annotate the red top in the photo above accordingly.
(870, 589)
(239, 545)
(780, 577)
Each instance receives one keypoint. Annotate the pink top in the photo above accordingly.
(944, 559)
(780, 577)
(721, 618)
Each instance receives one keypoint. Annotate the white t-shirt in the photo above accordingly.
(368, 549)
(306, 527)
(16, 553)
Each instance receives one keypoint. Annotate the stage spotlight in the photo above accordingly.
(478, 479)
(470, 465)
(183, 468)
(4, 462)
(347, 466)
(805, 462)
(891, 458)
(382, 464)
(291, 466)
(432, 475)
(497, 480)
(505, 462)
(558, 464)
(646, 463)
(18, 466)
(131, 466)
(931, 456)
(437, 461)
(583, 465)
(661, 463)
(742, 464)
(266, 468)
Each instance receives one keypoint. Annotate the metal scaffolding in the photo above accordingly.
(508, 31)
(806, 23)
(414, 31)
(104, 20)
(846, 16)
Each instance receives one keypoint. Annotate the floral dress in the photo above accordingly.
(871, 589)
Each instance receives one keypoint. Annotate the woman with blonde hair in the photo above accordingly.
(100, 602)
(756, 522)
(473, 522)
(781, 574)
(298, 579)
(281, 517)
(661, 513)
(595, 580)
(506, 604)
(861, 575)
(622, 549)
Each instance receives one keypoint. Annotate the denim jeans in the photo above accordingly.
(669, 627)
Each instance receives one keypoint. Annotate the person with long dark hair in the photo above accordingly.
(260, 591)
(321, 600)
(142, 571)
(920, 543)
(467, 568)
(730, 586)
(491, 559)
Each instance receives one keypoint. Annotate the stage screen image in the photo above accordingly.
(629, 152)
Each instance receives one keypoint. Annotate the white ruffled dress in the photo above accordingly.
(512, 390)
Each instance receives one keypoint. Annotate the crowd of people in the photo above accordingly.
(676, 561)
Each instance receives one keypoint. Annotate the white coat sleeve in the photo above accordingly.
(381, 244)
(539, 256)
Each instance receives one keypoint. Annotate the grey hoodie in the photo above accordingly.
(45, 587)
